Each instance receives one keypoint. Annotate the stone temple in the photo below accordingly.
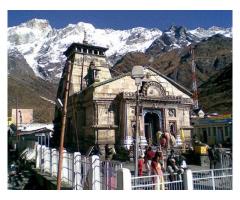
(101, 108)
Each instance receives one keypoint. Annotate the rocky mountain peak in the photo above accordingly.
(177, 30)
(37, 24)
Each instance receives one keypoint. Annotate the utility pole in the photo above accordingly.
(64, 115)
(194, 80)
(17, 118)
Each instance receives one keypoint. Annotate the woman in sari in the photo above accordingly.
(156, 169)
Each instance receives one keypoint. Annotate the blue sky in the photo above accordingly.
(127, 19)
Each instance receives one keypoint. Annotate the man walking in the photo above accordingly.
(212, 156)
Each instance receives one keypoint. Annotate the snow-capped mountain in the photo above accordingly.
(42, 46)
(178, 37)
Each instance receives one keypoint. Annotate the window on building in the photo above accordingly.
(230, 131)
(173, 127)
(226, 131)
(209, 132)
(204, 132)
(214, 131)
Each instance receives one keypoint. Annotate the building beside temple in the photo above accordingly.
(101, 108)
(213, 129)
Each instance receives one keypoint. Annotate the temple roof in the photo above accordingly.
(75, 47)
(180, 87)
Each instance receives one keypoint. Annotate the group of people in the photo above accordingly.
(155, 163)
(109, 151)
(215, 154)
(165, 140)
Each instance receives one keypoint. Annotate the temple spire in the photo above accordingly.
(85, 38)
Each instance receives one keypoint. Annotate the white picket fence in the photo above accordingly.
(79, 171)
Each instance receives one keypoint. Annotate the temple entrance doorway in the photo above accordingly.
(151, 126)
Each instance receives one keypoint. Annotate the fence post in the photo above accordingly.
(106, 168)
(38, 159)
(124, 179)
(34, 151)
(51, 161)
(157, 187)
(42, 158)
(213, 180)
(94, 173)
(70, 169)
(54, 163)
(77, 170)
(46, 157)
(188, 180)
(65, 168)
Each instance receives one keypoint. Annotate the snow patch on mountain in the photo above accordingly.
(205, 33)
(42, 46)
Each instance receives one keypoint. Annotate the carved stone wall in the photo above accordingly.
(81, 63)
(106, 112)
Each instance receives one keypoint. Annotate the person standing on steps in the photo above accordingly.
(148, 159)
(156, 169)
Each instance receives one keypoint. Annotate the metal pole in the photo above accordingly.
(41, 156)
(194, 80)
(59, 174)
(17, 118)
(137, 133)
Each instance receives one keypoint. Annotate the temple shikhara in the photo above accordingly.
(101, 108)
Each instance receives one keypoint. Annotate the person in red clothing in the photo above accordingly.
(140, 165)
(156, 169)
(148, 159)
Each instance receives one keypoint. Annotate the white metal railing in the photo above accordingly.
(173, 182)
(155, 182)
(144, 182)
(217, 179)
